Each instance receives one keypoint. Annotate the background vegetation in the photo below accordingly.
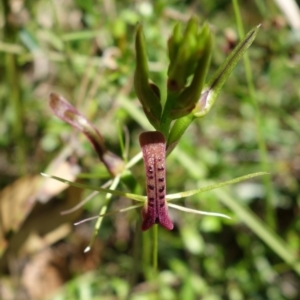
(83, 50)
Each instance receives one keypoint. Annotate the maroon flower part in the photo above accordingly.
(154, 152)
(68, 113)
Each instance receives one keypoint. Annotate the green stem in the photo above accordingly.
(165, 128)
(178, 129)
(102, 211)
(146, 254)
(270, 216)
(155, 248)
(165, 121)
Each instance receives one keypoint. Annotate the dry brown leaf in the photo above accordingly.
(16, 202)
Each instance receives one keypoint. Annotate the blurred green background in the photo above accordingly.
(84, 50)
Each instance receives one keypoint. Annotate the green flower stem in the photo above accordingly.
(165, 121)
(165, 126)
(102, 211)
(155, 248)
(178, 129)
(146, 254)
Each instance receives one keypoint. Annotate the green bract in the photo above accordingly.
(189, 56)
(148, 93)
(216, 82)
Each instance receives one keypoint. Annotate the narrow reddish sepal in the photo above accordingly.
(153, 146)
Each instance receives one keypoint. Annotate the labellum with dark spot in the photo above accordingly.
(154, 152)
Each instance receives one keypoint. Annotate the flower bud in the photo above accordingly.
(68, 113)
(189, 55)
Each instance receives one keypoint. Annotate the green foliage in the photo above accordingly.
(84, 51)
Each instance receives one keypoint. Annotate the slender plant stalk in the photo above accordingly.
(270, 217)
(155, 248)
(146, 253)
(102, 211)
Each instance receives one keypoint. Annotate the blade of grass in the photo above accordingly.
(111, 213)
(96, 188)
(268, 236)
(213, 186)
(103, 210)
(196, 211)
(260, 229)
(270, 216)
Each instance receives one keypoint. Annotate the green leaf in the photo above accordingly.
(96, 188)
(148, 93)
(214, 186)
(198, 212)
